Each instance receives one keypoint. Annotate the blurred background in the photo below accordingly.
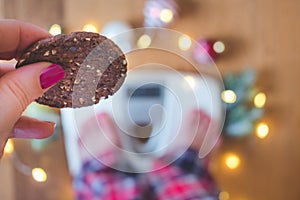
(255, 45)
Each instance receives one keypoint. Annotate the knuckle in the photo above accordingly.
(17, 93)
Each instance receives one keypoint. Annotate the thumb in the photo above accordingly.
(18, 88)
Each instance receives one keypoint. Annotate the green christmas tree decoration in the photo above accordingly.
(241, 115)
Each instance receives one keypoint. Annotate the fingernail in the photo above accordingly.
(41, 130)
(51, 75)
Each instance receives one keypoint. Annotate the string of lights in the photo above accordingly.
(162, 15)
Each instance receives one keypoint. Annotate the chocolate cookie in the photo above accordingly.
(95, 68)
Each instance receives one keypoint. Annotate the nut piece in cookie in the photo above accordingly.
(95, 68)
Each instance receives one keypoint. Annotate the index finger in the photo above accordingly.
(16, 36)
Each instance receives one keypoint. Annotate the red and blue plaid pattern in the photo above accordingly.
(185, 179)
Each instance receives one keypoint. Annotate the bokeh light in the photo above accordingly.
(262, 130)
(90, 28)
(166, 15)
(260, 100)
(55, 29)
(9, 147)
(39, 175)
(191, 81)
(219, 47)
(228, 96)
(144, 41)
(223, 195)
(184, 42)
(232, 161)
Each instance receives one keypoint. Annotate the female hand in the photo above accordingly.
(19, 87)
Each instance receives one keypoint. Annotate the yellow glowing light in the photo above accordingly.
(55, 29)
(228, 96)
(223, 195)
(9, 147)
(166, 15)
(144, 41)
(260, 100)
(90, 28)
(232, 161)
(219, 47)
(191, 81)
(184, 42)
(39, 175)
(262, 130)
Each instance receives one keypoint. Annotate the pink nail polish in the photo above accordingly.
(51, 75)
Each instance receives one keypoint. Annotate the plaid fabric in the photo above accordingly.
(185, 179)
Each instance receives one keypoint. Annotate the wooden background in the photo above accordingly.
(263, 34)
